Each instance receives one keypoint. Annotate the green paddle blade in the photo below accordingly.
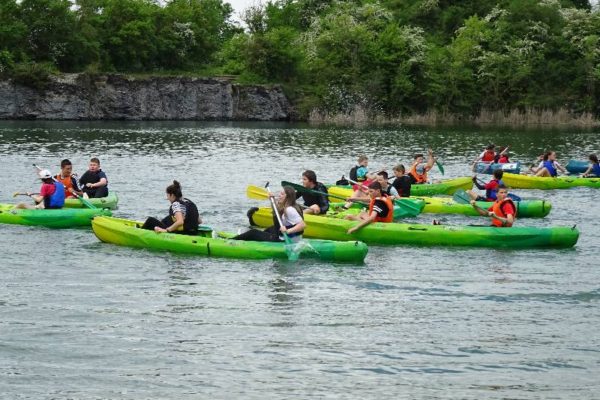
(461, 197)
(440, 166)
(410, 207)
(301, 188)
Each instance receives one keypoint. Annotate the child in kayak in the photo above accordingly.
(94, 182)
(51, 196)
(386, 188)
(402, 183)
(503, 212)
(502, 156)
(593, 170)
(488, 155)
(419, 168)
(381, 209)
(548, 167)
(68, 179)
(490, 188)
(291, 217)
(360, 172)
(315, 203)
(183, 214)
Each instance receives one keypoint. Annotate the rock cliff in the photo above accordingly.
(85, 97)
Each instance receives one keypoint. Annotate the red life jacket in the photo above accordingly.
(390, 215)
(503, 159)
(488, 156)
(497, 209)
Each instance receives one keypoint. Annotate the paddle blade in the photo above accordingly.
(514, 197)
(461, 197)
(256, 193)
(440, 166)
(410, 207)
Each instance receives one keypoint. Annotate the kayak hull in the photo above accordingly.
(441, 205)
(547, 183)
(577, 167)
(525, 208)
(448, 186)
(432, 235)
(129, 233)
(489, 168)
(109, 202)
(61, 218)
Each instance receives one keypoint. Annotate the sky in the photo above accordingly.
(240, 5)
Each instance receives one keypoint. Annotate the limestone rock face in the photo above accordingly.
(83, 97)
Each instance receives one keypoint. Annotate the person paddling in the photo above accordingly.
(315, 203)
(490, 188)
(549, 167)
(503, 212)
(402, 182)
(68, 179)
(381, 209)
(183, 214)
(291, 217)
(51, 196)
(419, 168)
(488, 155)
(94, 182)
(502, 156)
(593, 170)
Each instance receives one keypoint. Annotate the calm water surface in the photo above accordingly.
(83, 319)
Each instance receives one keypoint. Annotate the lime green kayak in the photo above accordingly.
(61, 218)
(447, 186)
(539, 182)
(445, 205)
(109, 201)
(129, 233)
(431, 235)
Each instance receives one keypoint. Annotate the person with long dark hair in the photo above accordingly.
(291, 217)
(183, 214)
(593, 170)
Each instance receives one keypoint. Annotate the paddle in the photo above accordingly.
(289, 246)
(15, 194)
(256, 193)
(80, 198)
(408, 206)
(461, 197)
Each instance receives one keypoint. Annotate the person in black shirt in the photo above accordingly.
(316, 203)
(94, 182)
(402, 183)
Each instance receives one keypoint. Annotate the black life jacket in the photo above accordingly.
(190, 221)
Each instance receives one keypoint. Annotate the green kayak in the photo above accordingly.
(446, 205)
(62, 218)
(109, 201)
(128, 233)
(539, 182)
(447, 186)
(431, 235)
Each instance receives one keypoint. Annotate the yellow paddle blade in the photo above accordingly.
(257, 193)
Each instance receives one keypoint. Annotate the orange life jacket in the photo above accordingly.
(497, 209)
(419, 178)
(388, 201)
(67, 183)
(489, 156)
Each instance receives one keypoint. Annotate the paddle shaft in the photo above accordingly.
(274, 206)
(301, 188)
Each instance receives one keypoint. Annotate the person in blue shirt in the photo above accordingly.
(94, 182)
(594, 169)
(549, 166)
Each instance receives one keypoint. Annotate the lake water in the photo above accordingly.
(83, 319)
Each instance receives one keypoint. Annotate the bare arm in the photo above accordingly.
(363, 223)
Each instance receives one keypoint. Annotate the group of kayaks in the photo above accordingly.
(325, 236)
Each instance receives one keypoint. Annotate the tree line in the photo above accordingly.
(388, 57)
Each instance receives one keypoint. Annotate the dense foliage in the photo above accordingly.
(385, 56)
